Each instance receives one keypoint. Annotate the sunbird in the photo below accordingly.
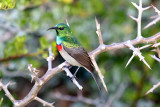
(72, 51)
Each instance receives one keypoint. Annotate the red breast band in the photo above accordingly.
(59, 47)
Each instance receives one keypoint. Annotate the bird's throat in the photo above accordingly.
(59, 47)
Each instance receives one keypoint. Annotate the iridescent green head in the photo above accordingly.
(61, 29)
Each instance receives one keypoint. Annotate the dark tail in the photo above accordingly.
(96, 80)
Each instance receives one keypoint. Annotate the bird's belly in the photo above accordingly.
(68, 58)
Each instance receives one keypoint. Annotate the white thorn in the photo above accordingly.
(152, 23)
(135, 5)
(147, 8)
(156, 45)
(144, 46)
(67, 22)
(129, 60)
(156, 10)
(133, 18)
(146, 64)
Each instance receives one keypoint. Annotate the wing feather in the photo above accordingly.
(81, 56)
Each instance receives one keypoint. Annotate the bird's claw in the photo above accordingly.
(67, 66)
(73, 77)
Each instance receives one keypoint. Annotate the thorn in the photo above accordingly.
(135, 5)
(32, 78)
(67, 22)
(133, 18)
(7, 84)
(147, 8)
(156, 10)
(152, 22)
(146, 64)
(97, 24)
(145, 46)
(156, 45)
(129, 60)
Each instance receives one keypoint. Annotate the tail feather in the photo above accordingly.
(96, 80)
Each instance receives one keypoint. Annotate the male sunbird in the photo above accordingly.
(72, 51)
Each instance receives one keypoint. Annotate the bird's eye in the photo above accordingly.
(61, 28)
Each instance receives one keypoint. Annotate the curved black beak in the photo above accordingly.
(52, 28)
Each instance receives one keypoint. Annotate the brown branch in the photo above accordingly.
(117, 46)
(21, 56)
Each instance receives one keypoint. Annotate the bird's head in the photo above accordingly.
(61, 29)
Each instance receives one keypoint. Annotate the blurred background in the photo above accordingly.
(24, 40)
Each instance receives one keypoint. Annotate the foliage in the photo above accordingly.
(7, 4)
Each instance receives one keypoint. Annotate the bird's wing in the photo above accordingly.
(81, 56)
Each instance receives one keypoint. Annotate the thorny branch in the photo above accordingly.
(156, 18)
(51, 72)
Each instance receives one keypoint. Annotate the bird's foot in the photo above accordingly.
(73, 77)
(69, 67)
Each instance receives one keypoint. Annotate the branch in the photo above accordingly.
(34, 74)
(157, 18)
(5, 88)
(78, 98)
(117, 46)
(136, 52)
(138, 20)
(99, 73)
(22, 55)
(44, 102)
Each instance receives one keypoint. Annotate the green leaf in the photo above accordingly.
(16, 46)
(43, 43)
(7, 4)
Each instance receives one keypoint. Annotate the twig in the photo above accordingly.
(44, 102)
(78, 98)
(136, 52)
(157, 18)
(156, 44)
(34, 74)
(99, 73)
(21, 56)
(5, 88)
(138, 20)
